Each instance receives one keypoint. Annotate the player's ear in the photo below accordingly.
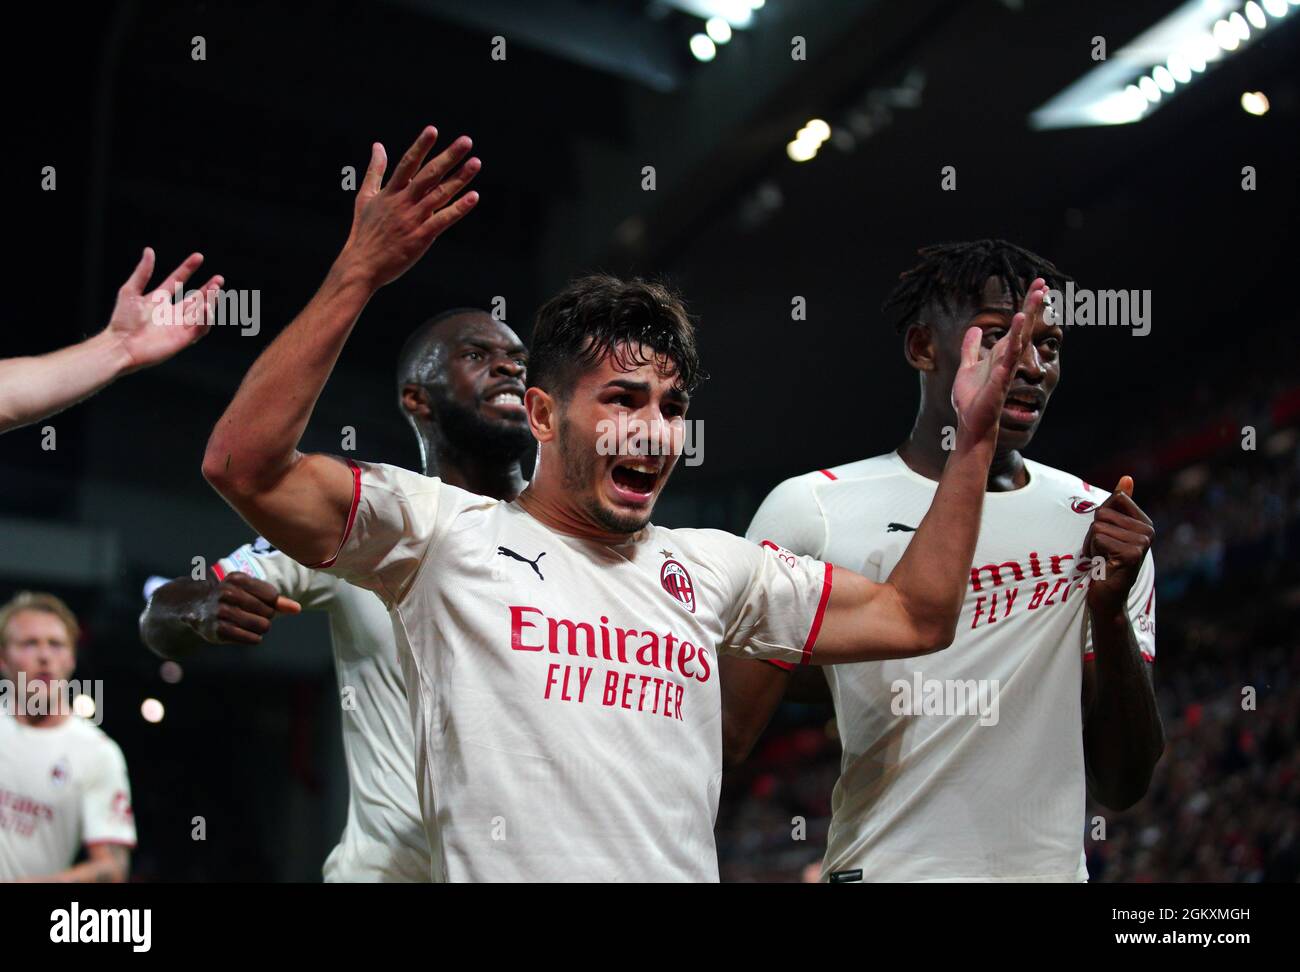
(415, 401)
(543, 414)
(919, 347)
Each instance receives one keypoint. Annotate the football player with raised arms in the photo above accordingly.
(560, 651)
(971, 765)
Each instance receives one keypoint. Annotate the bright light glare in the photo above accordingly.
(1225, 36)
(703, 48)
(1255, 102)
(817, 129)
(801, 149)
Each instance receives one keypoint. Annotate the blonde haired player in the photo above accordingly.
(63, 782)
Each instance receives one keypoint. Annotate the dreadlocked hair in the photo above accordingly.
(950, 273)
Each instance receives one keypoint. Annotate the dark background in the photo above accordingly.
(240, 156)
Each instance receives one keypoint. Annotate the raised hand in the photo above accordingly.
(149, 327)
(1122, 534)
(393, 226)
(980, 389)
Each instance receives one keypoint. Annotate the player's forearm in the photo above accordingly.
(169, 624)
(1122, 736)
(100, 870)
(34, 388)
(930, 579)
(255, 442)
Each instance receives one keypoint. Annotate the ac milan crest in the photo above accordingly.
(678, 583)
(59, 774)
(122, 805)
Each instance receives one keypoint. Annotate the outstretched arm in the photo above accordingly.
(301, 502)
(916, 610)
(145, 329)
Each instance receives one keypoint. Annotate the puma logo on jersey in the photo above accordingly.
(507, 552)
(897, 527)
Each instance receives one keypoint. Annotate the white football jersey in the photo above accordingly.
(964, 765)
(383, 839)
(564, 692)
(61, 788)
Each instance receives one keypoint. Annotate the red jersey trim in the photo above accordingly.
(817, 619)
(217, 572)
(785, 666)
(352, 517)
(828, 474)
(110, 842)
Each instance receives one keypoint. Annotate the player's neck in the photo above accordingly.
(493, 476)
(554, 509)
(501, 479)
(923, 451)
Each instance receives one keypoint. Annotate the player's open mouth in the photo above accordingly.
(634, 480)
(1023, 408)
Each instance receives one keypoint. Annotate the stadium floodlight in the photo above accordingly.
(1255, 102)
(703, 48)
(808, 140)
(801, 150)
(1161, 62)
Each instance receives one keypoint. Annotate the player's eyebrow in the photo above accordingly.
(626, 384)
(1004, 310)
(483, 345)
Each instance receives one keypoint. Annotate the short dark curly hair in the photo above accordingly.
(601, 315)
